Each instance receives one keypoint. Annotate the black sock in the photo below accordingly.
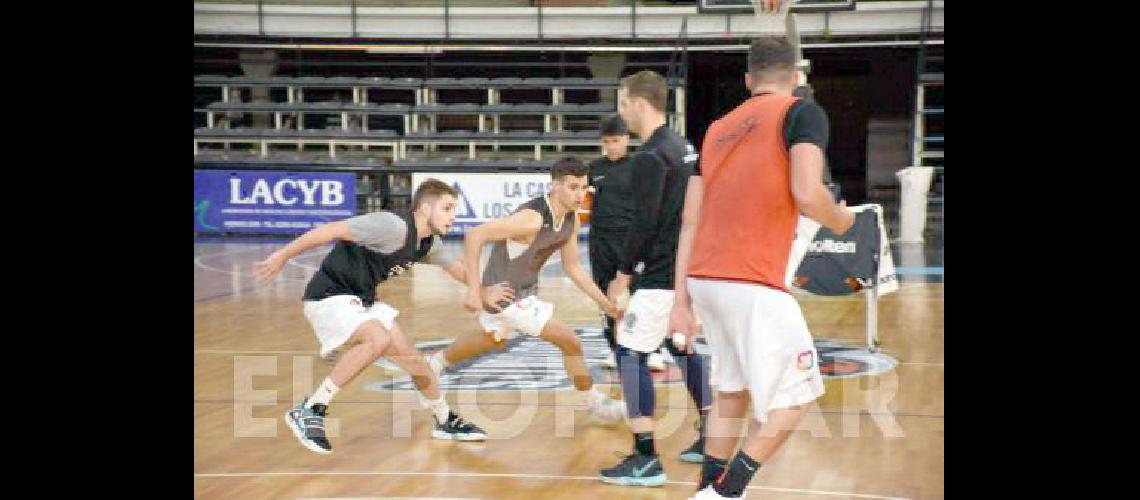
(710, 470)
(643, 443)
(737, 477)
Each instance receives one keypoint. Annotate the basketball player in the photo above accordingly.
(760, 167)
(340, 303)
(611, 181)
(661, 167)
(523, 242)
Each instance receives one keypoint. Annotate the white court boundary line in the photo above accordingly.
(198, 261)
(389, 498)
(315, 353)
(225, 351)
(516, 476)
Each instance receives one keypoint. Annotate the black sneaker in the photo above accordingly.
(458, 429)
(695, 454)
(308, 424)
(635, 470)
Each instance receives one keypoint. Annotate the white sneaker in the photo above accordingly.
(607, 409)
(656, 362)
(610, 363)
(710, 494)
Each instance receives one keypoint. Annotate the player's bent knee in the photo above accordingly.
(573, 344)
(418, 368)
(377, 337)
(496, 345)
(570, 345)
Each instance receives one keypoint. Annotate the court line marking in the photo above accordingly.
(198, 261)
(266, 402)
(315, 353)
(389, 498)
(518, 476)
(247, 288)
(226, 351)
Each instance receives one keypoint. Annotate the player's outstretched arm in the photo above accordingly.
(518, 225)
(574, 270)
(266, 270)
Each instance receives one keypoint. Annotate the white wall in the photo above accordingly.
(558, 22)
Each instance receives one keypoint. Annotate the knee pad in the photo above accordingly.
(636, 382)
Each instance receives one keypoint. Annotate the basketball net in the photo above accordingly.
(769, 20)
(774, 19)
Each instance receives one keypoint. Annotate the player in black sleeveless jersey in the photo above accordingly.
(340, 304)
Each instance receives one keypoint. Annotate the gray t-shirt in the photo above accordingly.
(386, 232)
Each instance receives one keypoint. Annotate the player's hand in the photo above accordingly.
(474, 302)
(682, 320)
(612, 311)
(264, 271)
(499, 292)
(847, 221)
(618, 291)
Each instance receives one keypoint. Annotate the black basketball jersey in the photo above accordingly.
(352, 269)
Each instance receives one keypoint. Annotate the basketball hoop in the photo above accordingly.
(773, 19)
(772, 16)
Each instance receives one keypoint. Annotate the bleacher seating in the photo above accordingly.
(256, 133)
(421, 121)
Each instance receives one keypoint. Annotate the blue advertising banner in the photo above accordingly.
(242, 201)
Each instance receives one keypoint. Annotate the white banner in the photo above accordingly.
(484, 196)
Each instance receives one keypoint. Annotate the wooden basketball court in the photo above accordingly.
(255, 357)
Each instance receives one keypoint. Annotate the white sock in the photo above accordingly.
(323, 395)
(592, 396)
(438, 360)
(438, 407)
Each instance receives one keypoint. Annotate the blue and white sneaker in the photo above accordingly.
(635, 470)
(458, 429)
(695, 454)
(308, 424)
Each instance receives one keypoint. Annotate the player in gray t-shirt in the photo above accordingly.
(340, 304)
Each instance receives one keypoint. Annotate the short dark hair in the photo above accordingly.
(804, 92)
(431, 189)
(769, 56)
(568, 166)
(648, 85)
(614, 125)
